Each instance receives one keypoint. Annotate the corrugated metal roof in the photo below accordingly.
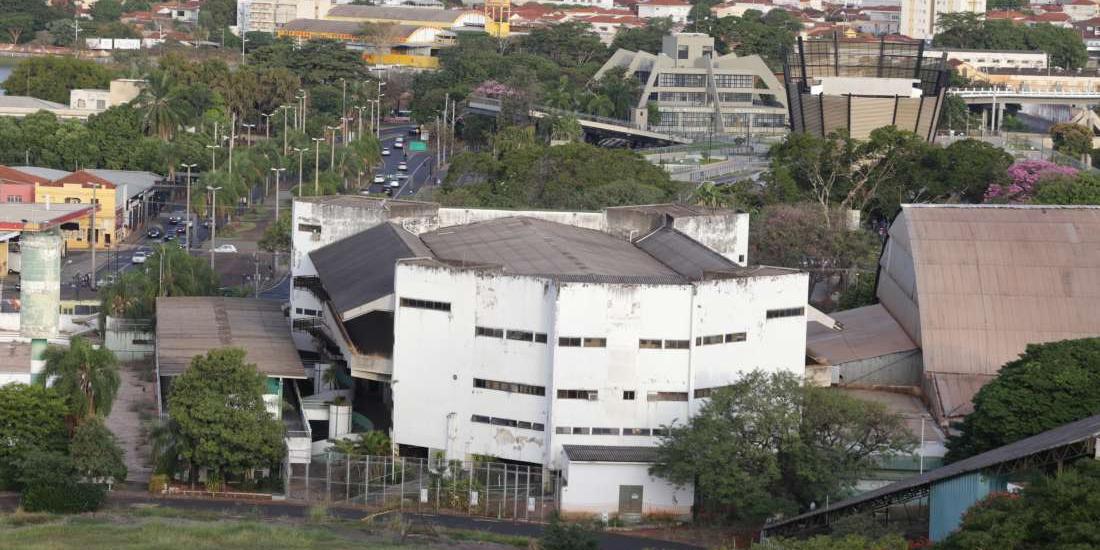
(398, 13)
(674, 210)
(190, 326)
(359, 269)
(867, 332)
(1068, 434)
(27, 102)
(686, 256)
(610, 453)
(952, 393)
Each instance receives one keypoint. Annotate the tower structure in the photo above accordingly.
(497, 13)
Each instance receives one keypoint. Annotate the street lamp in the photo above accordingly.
(317, 164)
(285, 108)
(377, 127)
(267, 123)
(95, 232)
(213, 156)
(213, 220)
(278, 172)
(332, 157)
(250, 127)
(300, 150)
(359, 131)
(187, 227)
(301, 95)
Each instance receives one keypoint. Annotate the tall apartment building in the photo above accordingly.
(918, 17)
(700, 93)
(269, 15)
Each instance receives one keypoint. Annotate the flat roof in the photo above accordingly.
(27, 102)
(674, 210)
(18, 216)
(866, 332)
(530, 246)
(190, 326)
(130, 182)
(610, 453)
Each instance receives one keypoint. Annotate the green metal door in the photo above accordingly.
(630, 499)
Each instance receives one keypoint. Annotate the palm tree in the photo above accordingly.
(86, 375)
(162, 106)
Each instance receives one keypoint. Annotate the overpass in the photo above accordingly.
(996, 96)
(600, 127)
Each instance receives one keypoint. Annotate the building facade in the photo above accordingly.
(697, 93)
(676, 10)
(918, 17)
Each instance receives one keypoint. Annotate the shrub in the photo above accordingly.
(63, 497)
(158, 483)
(567, 536)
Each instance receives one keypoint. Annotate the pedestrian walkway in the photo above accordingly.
(136, 398)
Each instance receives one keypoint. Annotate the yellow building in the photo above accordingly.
(455, 20)
(406, 45)
(122, 197)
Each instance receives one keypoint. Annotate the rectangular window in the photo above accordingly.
(489, 332)
(523, 425)
(649, 344)
(569, 342)
(733, 80)
(788, 312)
(521, 335)
(590, 395)
(635, 431)
(677, 344)
(668, 396)
(605, 431)
(595, 342)
(425, 304)
(682, 52)
(510, 387)
(580, 431)
(680, 80)
(628, 395)
(735, 337)
(660, 432)
(309, 228)
(538, 427)
(15, 198)
(712, 339)
(563, 430)
(503, 422)
(480, 419)
(540, 338)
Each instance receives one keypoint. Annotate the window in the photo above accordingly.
(693, 98)
(701, 393)
(521, 335)
(682, 52)
(711, 340)
(510, 387)
(635, 431)
(605, 431)
(580, 431)
(591, 395)
(676, 80)
(595, 342)
(503, 422)
(660, 432)
(489, 332)
(540, 337)
(788, 312)
(480, 419)
(668, 396)
(569, 342)
(676, 344)
(733, 80)
(628, 395)
(726, 97)
(142, 342)
(649, 344)
(425, 304)
(309, 228)
(563, 430)
(736, 337)
(15, 198)
(72, 200)
(100, 104)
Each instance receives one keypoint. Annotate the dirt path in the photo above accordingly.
(136, 400)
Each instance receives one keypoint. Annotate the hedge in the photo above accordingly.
(63, 498)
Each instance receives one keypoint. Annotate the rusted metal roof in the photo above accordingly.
(190, 326)
(610, 453)
(866, 332)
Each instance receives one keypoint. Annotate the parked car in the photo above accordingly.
(139, 257)
(153, 233)
(403, 166)
(386, 152)
(379, 178)
(228, 248)
(415, 130)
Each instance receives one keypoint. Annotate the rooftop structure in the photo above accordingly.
(39, 217)
(401, 15)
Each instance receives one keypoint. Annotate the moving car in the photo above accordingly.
(226, 248)
(393, 184)
(169, 238)
(386, 152)
(415, 130)
(139, 257)
(403, 166)
(399, 143)
(173, 220)
(181, 230)
(379, 178)
(153, 233)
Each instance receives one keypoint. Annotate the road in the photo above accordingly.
(421, 166)
(124, 499)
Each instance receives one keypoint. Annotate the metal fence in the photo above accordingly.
(476, 488)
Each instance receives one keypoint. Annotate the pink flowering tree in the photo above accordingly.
(1024, 176)
(492, 88)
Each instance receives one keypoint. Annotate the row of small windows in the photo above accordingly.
(566, 430)
(628, 395)
(425, 304)
(579, 342)
(662, 344)
(520, 335)
(687, 80)
(480, 419)
(728, 338)
(786, 312)
(510, 387)
(701, 393)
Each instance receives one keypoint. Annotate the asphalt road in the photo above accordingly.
(421, 166)
(122, 499)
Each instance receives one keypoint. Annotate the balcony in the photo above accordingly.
(313, 285)
(371, 367)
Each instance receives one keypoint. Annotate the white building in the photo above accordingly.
(737, 8)
(269, 15)
(517, 334)
(605, 4)
(677, 10)
(995, 59)
(918, 17)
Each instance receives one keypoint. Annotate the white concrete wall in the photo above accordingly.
(593, 488)
(726, 234)
(9, 378)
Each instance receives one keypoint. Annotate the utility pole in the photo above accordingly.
(300, 150)
(248, 141)
(304, 95)
(95, 232)
(344, 105)
(213, 156)
(285, 132)
(213, 220)
(443, 142)
(359, 121)
(187, 228)
(232, 140)
(267, 124)
(243, 40)
(278, 172)
(378, 126)
(317, 164)
(332, 156)
(256, 275)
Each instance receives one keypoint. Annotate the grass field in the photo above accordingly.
(156, 529)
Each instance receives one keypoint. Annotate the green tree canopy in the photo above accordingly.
(1082, 189)
(32, 418)
(52, 78)
(86, 375)
(106, 10)
(1049, 385)
(95, 452)
(754, 33)
(1071, 139)
(972, 30)
(768, 444)
(218, 409)
(170, 271)
(570, 44)
(643, 39)
(847, 542)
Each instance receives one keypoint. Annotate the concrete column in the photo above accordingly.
(40, 292)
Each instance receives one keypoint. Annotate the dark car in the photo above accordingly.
(169, 238)
(181, 230)
(414, 131)
(153, 233)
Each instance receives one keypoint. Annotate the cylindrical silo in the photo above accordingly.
(41, 292)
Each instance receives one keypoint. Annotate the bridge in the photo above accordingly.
(600, 127)
(996, 96)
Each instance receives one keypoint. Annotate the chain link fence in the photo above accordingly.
(476, 488)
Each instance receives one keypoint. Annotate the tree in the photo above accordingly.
(767, 444)
(161, 105)
(86, 375)
(754, 33)
(170, 271)
(217, 405)
(52, 78)
(1024, 178)
(96, 454)
(32, 418)
(218, 14)
(17, 27)
(276, 237)
(1047, 386)
(106, 11)
(848, 542)
(1083, 189)
(643, 39)
(1056, 512)
(972, 30)
(1071, 139)
(372, 443)
(569, 44)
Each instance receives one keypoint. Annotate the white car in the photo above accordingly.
(386, 152)
(139, 257)
(226, 248)
(398, 145)
(393, 184)
(379, 179)
(403, 166)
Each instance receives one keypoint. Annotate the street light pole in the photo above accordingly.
(278, 172)
(187, 227)
(213, 220)
(332, 156)
(213, 156)
(249, 138)
(285, 133)
(359, 121)
(317, 164)
(300, 150)
(95, 233)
